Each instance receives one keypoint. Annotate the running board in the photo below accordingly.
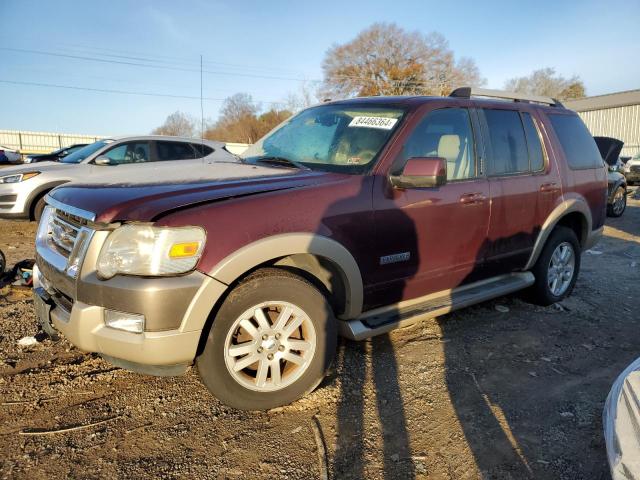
(384, 319)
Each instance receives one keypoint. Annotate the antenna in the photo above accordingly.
(201, 106)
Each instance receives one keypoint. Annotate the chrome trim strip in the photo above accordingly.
(78, 212)
(73, 227)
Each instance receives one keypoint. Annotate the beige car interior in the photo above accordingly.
(456, 151)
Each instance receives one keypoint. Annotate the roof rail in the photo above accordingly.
(468, 92)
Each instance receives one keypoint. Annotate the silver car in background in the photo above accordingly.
(121, 159)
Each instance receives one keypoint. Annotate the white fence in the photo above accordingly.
(41, 142)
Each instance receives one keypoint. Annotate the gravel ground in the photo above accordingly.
(501, 390)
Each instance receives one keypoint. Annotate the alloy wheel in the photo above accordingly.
(270, 346)
(561, 269)
(619, 201)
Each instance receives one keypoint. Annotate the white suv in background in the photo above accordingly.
(140, 159)
(632, 170)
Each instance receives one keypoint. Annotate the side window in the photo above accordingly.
(175, 151)
(536, 158)
(578, 145)
(130, 152)
(445, 133)
(508, 146)
(201, 150)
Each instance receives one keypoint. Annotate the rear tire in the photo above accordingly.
(281, 322)
(557, 268)
(619, 204)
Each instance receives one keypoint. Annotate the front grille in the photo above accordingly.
(64, 230)
(8, 198)
(63, 239)
(635, 168)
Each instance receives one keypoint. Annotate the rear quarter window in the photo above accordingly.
(168, 151)
(579, 147)
(202, 150)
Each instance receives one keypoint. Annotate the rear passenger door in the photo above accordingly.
(521, 185)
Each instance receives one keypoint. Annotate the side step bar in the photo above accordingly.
(384, 319)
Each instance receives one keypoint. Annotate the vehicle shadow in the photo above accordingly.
(528, 386)
(373, 359)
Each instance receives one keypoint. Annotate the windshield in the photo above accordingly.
(337, 138)
(84, 152)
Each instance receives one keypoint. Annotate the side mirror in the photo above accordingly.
(421, 172)
(102, 160)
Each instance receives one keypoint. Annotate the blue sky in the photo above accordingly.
(243, 42)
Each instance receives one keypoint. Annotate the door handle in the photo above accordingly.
(549, 187)
(472, 198)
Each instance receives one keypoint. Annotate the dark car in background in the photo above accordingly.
(610, 149)
(56, 155)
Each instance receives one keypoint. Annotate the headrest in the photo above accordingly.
(449, 146)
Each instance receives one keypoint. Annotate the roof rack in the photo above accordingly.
(468, 92)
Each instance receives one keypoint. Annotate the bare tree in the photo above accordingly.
(241, 121)
(178, 124)
(385, 59)
(545, 82)
(301, 99)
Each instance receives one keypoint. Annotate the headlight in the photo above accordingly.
(150, 251)
(18, 177)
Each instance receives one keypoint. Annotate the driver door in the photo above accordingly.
(432, 239)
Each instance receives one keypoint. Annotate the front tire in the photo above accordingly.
(617, 207)
(38, 209)
(557, 268)
(271, 343)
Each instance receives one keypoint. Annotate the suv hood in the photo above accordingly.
(610, 149)
(125, 201)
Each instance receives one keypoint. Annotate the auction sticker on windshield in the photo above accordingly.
(373, 122)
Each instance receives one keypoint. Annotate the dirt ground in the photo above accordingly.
(481, 393)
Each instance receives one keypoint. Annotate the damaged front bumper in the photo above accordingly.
(75, 303)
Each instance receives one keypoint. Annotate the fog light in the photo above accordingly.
(129, 322)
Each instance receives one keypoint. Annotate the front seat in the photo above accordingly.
(140, 155)
(451, 148)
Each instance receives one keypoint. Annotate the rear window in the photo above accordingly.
(175, 151)
(579, 147)
(509, 152)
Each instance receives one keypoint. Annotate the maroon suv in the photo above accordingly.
(353, 217)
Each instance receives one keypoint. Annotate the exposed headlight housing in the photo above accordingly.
(18, 177)
(145, 250)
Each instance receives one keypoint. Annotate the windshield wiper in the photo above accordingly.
(285, 162)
